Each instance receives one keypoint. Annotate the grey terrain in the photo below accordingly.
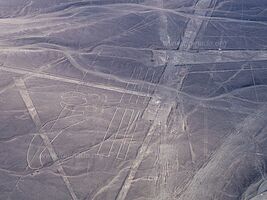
(133, 99)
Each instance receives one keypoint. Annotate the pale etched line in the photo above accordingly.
(153, 80)
(25, 7)
(136, 163)
(163, 28)
(92, 63)
(253, 78)
(35, 117)
(50, 130)
(101, 75)
(28, 102)
(242, 8)
(26, 77)
(205, 134)
(238, 36)
(148, 88)
(214, 56)
(72, 81)
(118, 130)
(142, 86)
(108, 130)
(194, 25)
(126, 131)
(105, 136)
(58, 117)
(209, 174)
(226, 70)
(127, 85)
(184, 120)
(135, 127)
(57, 135)
(136, 86)
(64, 108)
(29, 161)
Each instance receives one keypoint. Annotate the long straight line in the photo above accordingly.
(148, 88)
(118, 130)
(136, 163)
(27, 76)
(107, 131)
(116, 110)
(134, 124)
(125, 133)
(36, 119)
(142, 86)
(194, 25)
(136, 87)
(73, 81)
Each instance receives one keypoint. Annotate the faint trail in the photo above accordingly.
(35, 117)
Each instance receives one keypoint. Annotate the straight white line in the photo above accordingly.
(36, 119)
(98, 152)
(117, 132)
(206, 128)
(70, 80)
(226, 70)
(194, 25)
(142, 152)
(126, 131)
(136, 86)
(142, 86)
(127, 85)
(253, 78)
(108, 129)
(137, 115)
(148, 88)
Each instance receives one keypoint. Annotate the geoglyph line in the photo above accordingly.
(142, 86)
(194, 25)
(161, 109)
(107, 132)
(148, 88)
(134, 129)
(20, 84)
(113, 117)
(125, 133)
(27, 76)
(72, 81)
(118, 130)
(136, 87)
(121, 120)
(142, 151)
